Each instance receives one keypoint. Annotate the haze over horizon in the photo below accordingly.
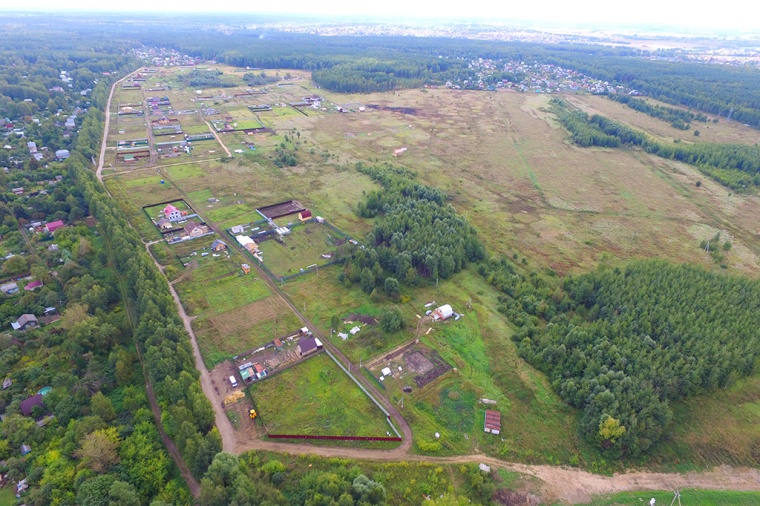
(734, 16)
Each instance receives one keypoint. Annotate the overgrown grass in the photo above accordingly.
(214, 296)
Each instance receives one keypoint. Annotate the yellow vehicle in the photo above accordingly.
(252, 413)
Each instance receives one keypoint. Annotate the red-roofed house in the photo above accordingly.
(54, 225)
(304, 215)
(172, 213)
(493, 422)
(33, 285)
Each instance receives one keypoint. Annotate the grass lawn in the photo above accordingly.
(317, 398)
(8, 495)
(186, 171)
(688, 497)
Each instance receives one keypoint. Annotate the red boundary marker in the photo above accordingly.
(333, 438)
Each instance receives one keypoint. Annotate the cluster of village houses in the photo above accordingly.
(180, 222)
(251, 371)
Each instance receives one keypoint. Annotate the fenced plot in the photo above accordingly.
(307, 245)
(317, 398)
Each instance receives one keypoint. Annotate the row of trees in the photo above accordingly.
(187, 415)
(678, 118)
(736, 166)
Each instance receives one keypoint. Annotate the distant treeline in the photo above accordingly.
(406, 61)
(678, 118)
(378, 63)
(733, 165)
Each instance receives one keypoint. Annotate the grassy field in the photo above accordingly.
(689, 497)
(317, 398)
(405, 482)
(724, 131)
(207, 295)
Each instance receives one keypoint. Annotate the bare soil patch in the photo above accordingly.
(247, 316)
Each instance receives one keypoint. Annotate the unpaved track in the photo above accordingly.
(102, 160)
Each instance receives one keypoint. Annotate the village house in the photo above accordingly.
(164, 224)
(192, 229)
(218, 245)
(33, 285)
(172, 213)
(304, 215)
(25, 321)
(308, 345)
(54, 225)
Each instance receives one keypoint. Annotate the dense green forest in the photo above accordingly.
(416, 235)
(736, 166)
(622, 343)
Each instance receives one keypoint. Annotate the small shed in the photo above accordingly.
(277, 344)
(7, 382)
(218, 245)
(304, 215)
(26, 449)
(26, 321)
(444, 312)
(386, 371)
(246, 268)
(493, 422)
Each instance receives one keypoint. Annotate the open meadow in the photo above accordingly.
(509, 168)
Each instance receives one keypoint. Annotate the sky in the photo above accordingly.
(726, 15)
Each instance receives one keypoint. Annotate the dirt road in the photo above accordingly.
(102, 158)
